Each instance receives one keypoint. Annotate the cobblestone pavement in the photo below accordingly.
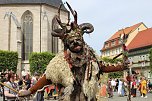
(138, 98)
(116, 98)
(1, 99)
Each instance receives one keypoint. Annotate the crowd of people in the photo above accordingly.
(12, 80)
(120, 86)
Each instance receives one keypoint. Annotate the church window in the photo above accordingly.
(27, 35)
(55, 25)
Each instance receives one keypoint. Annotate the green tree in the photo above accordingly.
(39, 61)
(118, 74)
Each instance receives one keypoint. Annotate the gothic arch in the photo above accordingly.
(54, 42)
(27, 34)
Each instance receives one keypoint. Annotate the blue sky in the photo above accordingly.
(108, 16)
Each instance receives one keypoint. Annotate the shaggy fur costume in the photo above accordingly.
(58, 71)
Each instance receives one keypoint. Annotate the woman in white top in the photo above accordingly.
(120, 87)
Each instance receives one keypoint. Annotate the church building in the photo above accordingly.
(26, 26)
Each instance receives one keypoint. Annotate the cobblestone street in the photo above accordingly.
(138, 98)
(116, 98)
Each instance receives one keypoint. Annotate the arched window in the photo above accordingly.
(54, 39)
(27, 39)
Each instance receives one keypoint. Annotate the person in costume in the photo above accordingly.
(76, 67)
(144, 87)
(44, 81)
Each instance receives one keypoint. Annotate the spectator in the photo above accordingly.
(20, 83)
(27, 81)
(123, 88)
(149, 85)
(35, 78)
(139, 85)
(6, 77)
(113, 83)
(120, 84)
(126, 88)
(144, 87)
(109, 88)
(24, 72)
(9, 94)
(23, 82)
(133, 88)
(103, 91)
(116, 87)
(16, 78)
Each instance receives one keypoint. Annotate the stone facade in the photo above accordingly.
(42, 27)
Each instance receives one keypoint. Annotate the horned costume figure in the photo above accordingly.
(76, 67)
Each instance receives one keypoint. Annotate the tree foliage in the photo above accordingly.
(118, 74)
(8, 60)
(39, 61)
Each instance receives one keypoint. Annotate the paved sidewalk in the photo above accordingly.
(116, 98)
(1, 99)
(138, 98)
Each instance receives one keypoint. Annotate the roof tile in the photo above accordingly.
(142, 39)
(127, 30)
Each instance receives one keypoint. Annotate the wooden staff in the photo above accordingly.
(9, 87)
(117, 56)
(125, 58)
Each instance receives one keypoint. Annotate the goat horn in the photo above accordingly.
(74, 13)
(59, 9)
(86, 27)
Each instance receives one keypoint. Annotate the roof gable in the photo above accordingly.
(142, 39)
(127, 30)
(116, 36)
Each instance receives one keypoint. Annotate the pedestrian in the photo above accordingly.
(149, 86)
(133, 88)
(144, 87)
(109, 88)
(120, 87)
(116, 87)
(113, 83)
(139, 85)
(103, 90)
(126, 87)
(123, 88)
